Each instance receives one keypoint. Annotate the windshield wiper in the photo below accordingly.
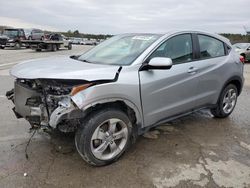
(74, 56)
(84, 60)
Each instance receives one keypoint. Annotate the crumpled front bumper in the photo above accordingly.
(31, 105)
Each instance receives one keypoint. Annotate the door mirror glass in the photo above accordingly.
(158, 63)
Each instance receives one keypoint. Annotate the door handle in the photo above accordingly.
(192, 70)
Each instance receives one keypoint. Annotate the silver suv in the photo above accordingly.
(126, 86)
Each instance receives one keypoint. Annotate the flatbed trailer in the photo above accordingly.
(49, 45)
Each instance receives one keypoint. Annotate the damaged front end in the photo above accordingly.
(48, 103)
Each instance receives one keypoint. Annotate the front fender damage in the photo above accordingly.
(65, 110)
(50, 103)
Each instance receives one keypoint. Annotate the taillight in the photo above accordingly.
(242, 59)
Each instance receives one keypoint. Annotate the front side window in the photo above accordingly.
(210, 47)
(178, 48)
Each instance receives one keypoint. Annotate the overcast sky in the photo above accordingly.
(122, 16)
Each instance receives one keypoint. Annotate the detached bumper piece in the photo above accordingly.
(10, 95)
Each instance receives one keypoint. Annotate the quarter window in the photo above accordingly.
(210, 47)
(178, 48)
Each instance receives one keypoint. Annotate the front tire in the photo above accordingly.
(104, 136)
(226, 103)
(53, 47)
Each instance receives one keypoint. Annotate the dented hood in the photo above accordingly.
(63, 68)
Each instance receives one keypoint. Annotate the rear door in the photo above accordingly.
(211, 67)
(166, 93)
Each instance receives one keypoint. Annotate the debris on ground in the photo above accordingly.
(25, 174)
(66, 149)
(244, 145)
(166, 128)
(152, 134)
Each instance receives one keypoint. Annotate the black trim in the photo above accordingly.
(148, 67)
(196, 47)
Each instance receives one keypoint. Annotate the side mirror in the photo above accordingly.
(158, 63)
(248, 48)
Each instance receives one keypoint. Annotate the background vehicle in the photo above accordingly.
(127, 85)
(243, 49)
(14, 37)
(56, 41)
(36, 34)
(89, 42)
(76, 40)
(3, 41)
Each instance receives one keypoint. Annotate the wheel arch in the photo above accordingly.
(235, 80)
(125, 105)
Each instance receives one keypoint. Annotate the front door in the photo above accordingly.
(166, 93)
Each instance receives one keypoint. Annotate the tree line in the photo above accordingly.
(76, 33)
(234, 38)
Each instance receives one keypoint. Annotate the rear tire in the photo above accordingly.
(54, 48)
(17, 45)
(226, 103)
(103, 136)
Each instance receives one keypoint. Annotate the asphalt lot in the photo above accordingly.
(194, 151)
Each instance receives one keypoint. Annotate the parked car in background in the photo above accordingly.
(35, 34)
(127, 85)
(76, 40)
(89, 42)
(14, 37)
(243, 49)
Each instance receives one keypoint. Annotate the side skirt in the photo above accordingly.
(168, 119)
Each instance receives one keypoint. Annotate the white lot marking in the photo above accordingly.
(6, 64)
(4, 72)
(2, 96)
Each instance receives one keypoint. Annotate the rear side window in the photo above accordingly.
(210, 47)
(178, 48)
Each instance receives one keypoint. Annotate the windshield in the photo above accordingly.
(10, 33)
(242, 45)
(119, 50)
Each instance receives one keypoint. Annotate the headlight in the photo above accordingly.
(79, 88)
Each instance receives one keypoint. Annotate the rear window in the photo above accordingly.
(210, 47)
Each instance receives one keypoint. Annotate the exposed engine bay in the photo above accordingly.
(45, 102)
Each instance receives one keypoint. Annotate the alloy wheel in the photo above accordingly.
(229, 101)
(109, 139)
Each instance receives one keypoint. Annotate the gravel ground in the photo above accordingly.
(193, 151)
